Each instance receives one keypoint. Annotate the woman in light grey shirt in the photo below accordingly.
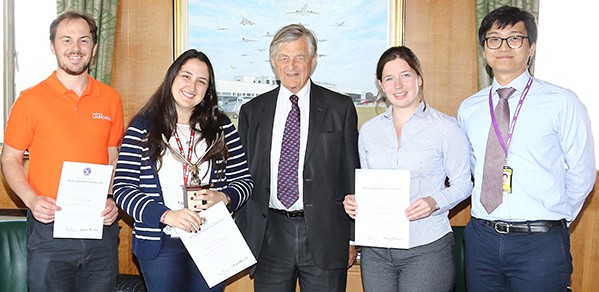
(413, 136)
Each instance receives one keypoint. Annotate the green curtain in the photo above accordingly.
(483, 7)
(104, 12)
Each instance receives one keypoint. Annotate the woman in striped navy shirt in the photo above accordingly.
(179, 138)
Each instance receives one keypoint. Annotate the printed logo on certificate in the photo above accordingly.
(82, 193)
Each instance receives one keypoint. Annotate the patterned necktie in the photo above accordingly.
(492, 187)
(287, 185)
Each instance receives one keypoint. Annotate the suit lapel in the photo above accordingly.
(265, 125)
(317, 112)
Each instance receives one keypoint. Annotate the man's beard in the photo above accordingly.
(74, 71)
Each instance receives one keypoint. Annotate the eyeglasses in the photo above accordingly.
(514, 42)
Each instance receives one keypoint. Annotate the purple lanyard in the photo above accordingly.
(514, 119)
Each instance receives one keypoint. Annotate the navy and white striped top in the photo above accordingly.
(137, 187)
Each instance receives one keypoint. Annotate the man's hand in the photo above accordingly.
(43, 208)
(110, 213)
(350, 206)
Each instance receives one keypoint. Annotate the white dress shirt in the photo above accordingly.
(551, 152)
(282, 110)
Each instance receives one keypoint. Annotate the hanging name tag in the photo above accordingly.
(507, 179)
(189, 192)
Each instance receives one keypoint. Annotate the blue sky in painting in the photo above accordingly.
(352, 34)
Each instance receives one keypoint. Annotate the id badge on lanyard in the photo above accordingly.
(508, 172)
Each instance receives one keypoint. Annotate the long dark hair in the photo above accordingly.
(162, 113)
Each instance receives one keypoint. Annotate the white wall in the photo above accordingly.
(567, 52)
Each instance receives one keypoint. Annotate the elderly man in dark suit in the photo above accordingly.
(301, 142)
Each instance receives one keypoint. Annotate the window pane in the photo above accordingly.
(566, 52)
(34, 60)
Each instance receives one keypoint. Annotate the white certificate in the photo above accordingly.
(82, 196)
(218, 249)
(382, 196)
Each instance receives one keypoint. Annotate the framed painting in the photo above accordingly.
(236, 35)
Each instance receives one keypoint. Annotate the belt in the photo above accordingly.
(523, 227)
(289, 214)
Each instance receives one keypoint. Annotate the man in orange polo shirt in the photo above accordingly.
(68, 117)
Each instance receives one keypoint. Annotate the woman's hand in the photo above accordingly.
(350, 206)
(184, 219)
(422, 208)
(208, 198)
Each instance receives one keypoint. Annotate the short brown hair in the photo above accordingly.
(70, 15)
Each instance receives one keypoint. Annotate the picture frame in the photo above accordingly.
(236, 36)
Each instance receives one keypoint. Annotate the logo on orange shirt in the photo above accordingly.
(101, 116)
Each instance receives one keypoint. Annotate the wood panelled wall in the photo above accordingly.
(143, 53)
(440, 32)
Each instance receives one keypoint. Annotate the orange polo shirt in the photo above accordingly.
(56, 126)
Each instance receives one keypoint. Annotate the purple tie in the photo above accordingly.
(287, 185)
(492, 187)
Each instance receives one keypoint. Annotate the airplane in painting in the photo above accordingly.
(245, 21)
(247, 41)
(340, 24)
(303, 11)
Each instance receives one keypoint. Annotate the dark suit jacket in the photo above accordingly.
(329, 167)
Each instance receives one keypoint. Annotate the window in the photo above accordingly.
(27, 58)
(566, 52)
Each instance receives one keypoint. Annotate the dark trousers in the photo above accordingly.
(286, 257)
(173, 270)
(62, 264)
(526, 262)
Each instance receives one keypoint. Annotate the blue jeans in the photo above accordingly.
(61, 264)
(527, 262)
(173, 269)
(429, 267)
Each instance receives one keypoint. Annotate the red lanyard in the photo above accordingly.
(189, 151)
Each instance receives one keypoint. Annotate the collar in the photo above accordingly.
(303, 95)
(421, 111)
(92, 88)
(519, 83)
